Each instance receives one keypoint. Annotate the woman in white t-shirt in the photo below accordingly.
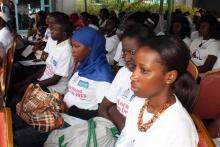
(116, 102)
(204, 50)
(161, 83)
(181, 28)
(93, 76)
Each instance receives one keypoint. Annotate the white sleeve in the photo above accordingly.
(188, 138)
(111, 43)
(118, 52)
(115, 88)
(102, 88)
(64, 65)
(46, 49)
(213, 48)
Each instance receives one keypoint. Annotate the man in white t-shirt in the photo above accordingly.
(112, 39)
(120, 92)
(59, 62)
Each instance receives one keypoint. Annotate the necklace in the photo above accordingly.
(144, 127)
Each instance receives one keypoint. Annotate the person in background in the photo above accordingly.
(93, 76)
(164, 92)
(104, 15)
(112, 39)
(116, 102)
(204, 50)
(180, 27)
(93, 22)
(6, 37)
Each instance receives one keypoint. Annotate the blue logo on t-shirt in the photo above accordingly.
(54, 62)
(83, 84)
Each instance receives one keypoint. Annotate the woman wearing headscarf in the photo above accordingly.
(93, 76)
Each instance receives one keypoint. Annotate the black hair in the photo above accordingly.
(105, 12)
(66, 26)
(59, 16)
(42, 18)
(175, 55)
(94, 20)
(139, 31)
(214, 25)
(185, 30)
(115, 21)
(85, 15)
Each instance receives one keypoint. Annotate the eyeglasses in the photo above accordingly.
(131, 52)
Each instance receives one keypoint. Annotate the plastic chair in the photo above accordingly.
(192, 69)
(6, 133)
(208, 101)
(205, 139)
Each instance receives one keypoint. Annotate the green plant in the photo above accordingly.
(123, 5)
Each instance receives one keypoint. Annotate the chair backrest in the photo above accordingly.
(205, 139)
(208, 101)
(6, 133)
(192, 69)
(6, 70)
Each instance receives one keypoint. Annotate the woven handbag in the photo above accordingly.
(40, 109)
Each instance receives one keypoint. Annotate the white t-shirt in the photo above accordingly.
(118, 55)
(47, 35)
(51, 44)
(217, 63)
(120, 91)
(59, 62)
(200, 54)
(85, 93)
(111, 46)
(187, 41)
(194, 35)
(173, 128)
(6, 39)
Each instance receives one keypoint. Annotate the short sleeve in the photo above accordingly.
(101, 90)
(118, 52)
(64, 65)
(213, 48)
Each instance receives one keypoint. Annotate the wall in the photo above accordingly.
(210, 5)
(67, 6)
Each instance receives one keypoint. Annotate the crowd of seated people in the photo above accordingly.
(118, 67)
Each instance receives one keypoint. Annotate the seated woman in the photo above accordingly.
(204, 50)
(181, 28)
(156, 116)
(116, 102)
(85, 89)
(93, 77)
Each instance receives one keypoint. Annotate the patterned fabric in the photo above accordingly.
(40, 109)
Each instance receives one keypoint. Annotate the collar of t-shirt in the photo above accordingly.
(63, 43)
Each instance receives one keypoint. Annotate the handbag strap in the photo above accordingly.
(27, 94)
(91, 132)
